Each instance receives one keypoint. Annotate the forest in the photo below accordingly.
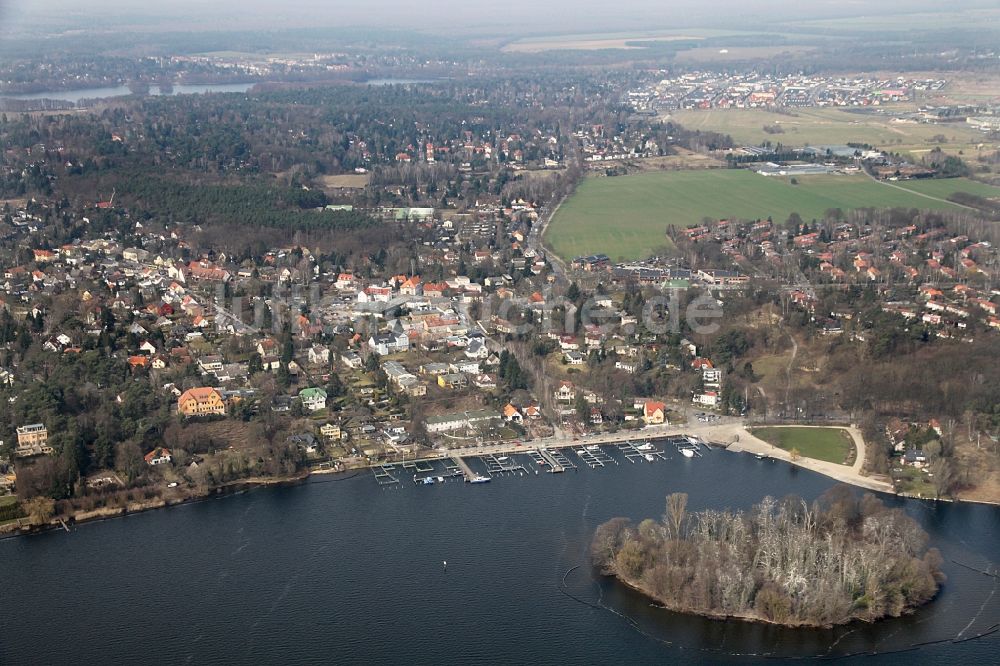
(839, 559)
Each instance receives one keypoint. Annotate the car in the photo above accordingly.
(172, 484)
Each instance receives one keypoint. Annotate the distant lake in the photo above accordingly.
(75, 95)
(341, 570)
(400, 82)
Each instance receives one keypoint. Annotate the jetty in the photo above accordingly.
(470, 476)
(554, 465)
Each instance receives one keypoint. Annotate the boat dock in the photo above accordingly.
(500, 461)
(594, 456)
(497, 465)
(549, 460)
(383, 475)
(686, 446)
(470, 476)
(640, 452)
(555, 460)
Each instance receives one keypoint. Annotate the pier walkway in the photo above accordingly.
(554, 465)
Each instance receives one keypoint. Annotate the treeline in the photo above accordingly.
(251, 204)
(788, 562)
(987, 207)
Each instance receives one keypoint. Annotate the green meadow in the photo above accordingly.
(626, 217)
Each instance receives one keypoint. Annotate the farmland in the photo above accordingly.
(826, 126)
(945, 187)
(829, 444)
(626, 217)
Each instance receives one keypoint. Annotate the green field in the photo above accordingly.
(945, 187)
(829, 444)
(626, 217)
(825, 126)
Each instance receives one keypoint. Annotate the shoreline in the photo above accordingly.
(712, 436)
(13, 530)
(756, 619)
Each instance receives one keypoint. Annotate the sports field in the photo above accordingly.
(626, 217)
(829, 444)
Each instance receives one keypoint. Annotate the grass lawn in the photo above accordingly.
(829, 444)
(626, 217)
(6, 504)
(914, 481)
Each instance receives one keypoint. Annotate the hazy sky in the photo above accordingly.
(527, 16)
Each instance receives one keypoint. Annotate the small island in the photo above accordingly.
(786, 562)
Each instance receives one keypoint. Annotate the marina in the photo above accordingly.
(484, 467)
(686, 446)
(470, 476)
(383, 475)
(594, 456)
(645, 452)
(500, 465)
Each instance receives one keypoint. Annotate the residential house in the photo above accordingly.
(565, 393)
(202, 401)
(511, 414)
(32, 440)
(319, 355)
(708, 398)
(313, 398)
(596, 418)
(331, 431)
(654, 412)
(159, 456)
(352, 359)
(451, 380)
(389, 343)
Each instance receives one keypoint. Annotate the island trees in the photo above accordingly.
(786, 562)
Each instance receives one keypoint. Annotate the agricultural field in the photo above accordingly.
(354, 181)
(945, 187)
(637, 39)
(825, 126)
(829, 444)
(602, 40)
(945, 18)
(626, 217)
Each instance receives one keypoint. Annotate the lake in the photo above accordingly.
(76, 95)
(342, 570)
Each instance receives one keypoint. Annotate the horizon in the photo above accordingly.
(530, 18)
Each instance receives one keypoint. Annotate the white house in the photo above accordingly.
(389, 343)
(313, 399)
(319, 355)
(352, 359)
(565, 392)
(708, 398)
(477, 349)
(158, 456)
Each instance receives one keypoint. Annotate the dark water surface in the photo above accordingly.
(345, 571)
